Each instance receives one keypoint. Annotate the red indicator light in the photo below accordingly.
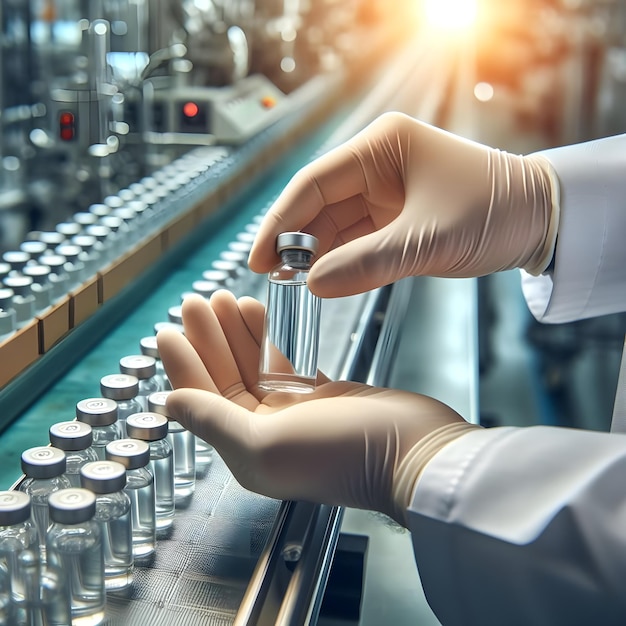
(66, 118)
(190, 109)
(67, 126)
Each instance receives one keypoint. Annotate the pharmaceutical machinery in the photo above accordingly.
(143, 141)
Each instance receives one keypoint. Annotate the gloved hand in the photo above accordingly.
(345, 444)
(403, 198)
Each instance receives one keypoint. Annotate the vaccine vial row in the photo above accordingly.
(50, 264)
(136, 481)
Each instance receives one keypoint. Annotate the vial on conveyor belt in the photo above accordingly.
(183, 443)
(153, 429)
(148, 346)
(134, 455)
(144, 368)
(74, 546)
(123, 388)
(44, 470)
(101, 415)
(107, 480)
(75, 439)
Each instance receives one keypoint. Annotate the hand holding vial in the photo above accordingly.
(345, 443)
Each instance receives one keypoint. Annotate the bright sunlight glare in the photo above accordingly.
(483, 92)
(450, 14)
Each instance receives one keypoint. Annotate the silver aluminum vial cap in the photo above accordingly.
(103, 476)
(71, 436)
(138, 365)
(149, 346)
(131, 453)
(43, 462)
(119, 386)
(14, 507)
(175, 314)
(218, 276)
(72, 506)
(205, 288)
(147, 426)
(157, 402)
(296, 241)
(97, 411)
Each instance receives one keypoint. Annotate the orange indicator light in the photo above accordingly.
(190, 109)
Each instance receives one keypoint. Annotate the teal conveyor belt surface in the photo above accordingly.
(83, 379)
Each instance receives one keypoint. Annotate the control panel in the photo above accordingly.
(205, 115)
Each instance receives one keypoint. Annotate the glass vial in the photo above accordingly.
(134, 455)
(45, 598)
(101, 415)
(289, 347)
(144, 369)
(149, 347)
(74, 545)
(183, 443)
(17, 533)
(8, 320)
(153, 429)
(107, 479)
(44, 468)
(123, 388)
(75, 439)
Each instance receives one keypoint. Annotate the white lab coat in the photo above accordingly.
(527, 526)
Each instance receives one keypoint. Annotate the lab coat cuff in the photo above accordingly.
(437, 489)
(589, 259)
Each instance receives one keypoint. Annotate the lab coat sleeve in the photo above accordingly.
(589, 277)
(524, 526)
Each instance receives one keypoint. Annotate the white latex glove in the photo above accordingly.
(403, 198)
(345, 444)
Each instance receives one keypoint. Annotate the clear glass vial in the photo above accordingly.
(289, 348)
(123, 388)
(101, 415)
(149, 347)
(44, 468)
(74, 546)
(75, 439)
(153, 429)
(17, 533)
(44, 599)
(183, 443)
(23, 299)
(107, 479)
(8, 320)
(134, 455)
(144, 368)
